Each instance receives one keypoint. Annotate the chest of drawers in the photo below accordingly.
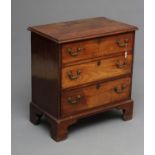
(80, 68)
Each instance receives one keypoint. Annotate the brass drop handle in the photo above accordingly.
(72, 76)
(122, 44)
(74, 53)
(120, 89)
(74, 101)
(125, 62)
(121, 65)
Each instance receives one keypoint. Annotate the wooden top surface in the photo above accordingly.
(81, 29)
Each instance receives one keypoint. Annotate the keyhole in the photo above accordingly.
(97, 86)
(98, 63)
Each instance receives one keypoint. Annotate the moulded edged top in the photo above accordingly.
(81, 29)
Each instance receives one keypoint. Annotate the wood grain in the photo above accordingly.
(89, 49)
(45, 74)
(96, 48)
(59, 127)
(94, 96)
(81, 29)
(79, 69)
(108, 45)
(92, 72)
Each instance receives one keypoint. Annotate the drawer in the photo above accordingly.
(95, 95)
(96, 47)
(96, 70)
(116, 43)
(79, 51)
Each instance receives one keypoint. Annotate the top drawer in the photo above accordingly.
(82, 50)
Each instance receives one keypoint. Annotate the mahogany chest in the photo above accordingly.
(80, 68)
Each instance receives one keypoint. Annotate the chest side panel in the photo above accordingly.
(45, 74)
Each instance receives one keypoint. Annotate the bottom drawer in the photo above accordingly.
(92, 96)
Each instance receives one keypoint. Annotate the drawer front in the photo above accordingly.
(95, 70)
(93, 96)
(115, 44)
(79, 51)
(96, 47)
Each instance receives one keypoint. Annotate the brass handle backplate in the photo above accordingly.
(122, 44)
(120, 89)
(74, 53)
(72, 76)
(121, 65)
(74, 101)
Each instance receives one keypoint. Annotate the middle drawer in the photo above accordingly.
(95, 70)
